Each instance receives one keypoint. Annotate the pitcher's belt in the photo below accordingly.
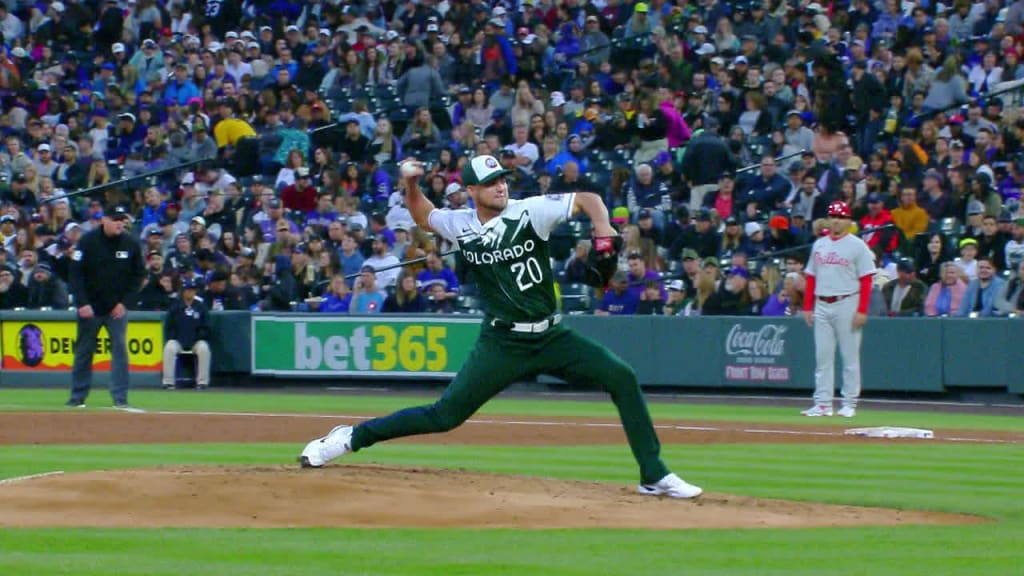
(527, 327)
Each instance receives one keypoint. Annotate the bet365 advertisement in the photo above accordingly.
(50, 346)
(361, 346)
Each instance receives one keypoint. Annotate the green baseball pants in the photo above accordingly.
(500, 358)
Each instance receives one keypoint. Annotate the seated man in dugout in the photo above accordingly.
(187, 329)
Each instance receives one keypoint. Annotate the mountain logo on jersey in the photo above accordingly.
(492, 237)
(498, 242)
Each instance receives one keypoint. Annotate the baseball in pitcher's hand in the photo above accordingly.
(809, 317)
(859, 320)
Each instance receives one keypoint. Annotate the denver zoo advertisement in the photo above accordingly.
(49, 346)
(756, 352)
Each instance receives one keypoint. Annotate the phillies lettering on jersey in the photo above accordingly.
(838, 265)
(509, 255)
(831, 259)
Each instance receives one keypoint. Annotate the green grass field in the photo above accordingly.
(979, 479)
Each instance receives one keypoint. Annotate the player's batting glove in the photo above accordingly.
(603, 261)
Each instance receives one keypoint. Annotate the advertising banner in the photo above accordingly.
(45, 345)
(756, 351)
(361, 346)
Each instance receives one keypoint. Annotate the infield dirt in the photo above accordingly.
(357, 495)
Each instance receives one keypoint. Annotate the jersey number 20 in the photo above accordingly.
(529, 268)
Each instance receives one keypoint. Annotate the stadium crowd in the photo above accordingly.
(717, 133)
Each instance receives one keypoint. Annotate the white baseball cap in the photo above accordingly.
(701, 30)
(200, 220)
(557, 99)
(43, 148)
(751, 228)
(117, 48)
(483, 169)
(705, 49)
(452, 188)
(676, 285)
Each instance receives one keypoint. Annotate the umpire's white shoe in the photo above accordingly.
(338, 442)
(847, 412)
(818, 410)
(672, 486)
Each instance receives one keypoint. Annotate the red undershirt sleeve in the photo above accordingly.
(865, 293)
(809, 293)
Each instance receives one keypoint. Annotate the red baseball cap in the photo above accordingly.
(839, 208)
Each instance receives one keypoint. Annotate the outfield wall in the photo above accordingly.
(900, 354)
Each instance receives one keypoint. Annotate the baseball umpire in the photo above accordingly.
(505, 243)
(106, 272)
(839, 274)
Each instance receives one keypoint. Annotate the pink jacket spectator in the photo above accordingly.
(677, 130)
(957, 295)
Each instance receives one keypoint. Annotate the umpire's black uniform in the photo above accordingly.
(106, 274)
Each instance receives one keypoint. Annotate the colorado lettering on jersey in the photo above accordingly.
(514, 252)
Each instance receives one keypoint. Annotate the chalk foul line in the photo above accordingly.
(30, 477)
(790, 432)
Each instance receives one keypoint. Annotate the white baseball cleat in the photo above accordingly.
(672, 486)
(338, 442)
(818, 410)
(847, 412)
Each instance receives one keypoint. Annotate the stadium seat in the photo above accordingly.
(576, 298)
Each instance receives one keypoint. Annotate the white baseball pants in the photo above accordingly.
(202, 351)
(833, 324)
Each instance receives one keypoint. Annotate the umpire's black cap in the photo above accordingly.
(117, 213)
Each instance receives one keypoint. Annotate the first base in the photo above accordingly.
(891, 432)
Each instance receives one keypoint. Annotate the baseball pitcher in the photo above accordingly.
(839, 274)
(505, 243)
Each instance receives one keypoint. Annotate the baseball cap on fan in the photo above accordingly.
(482, 170)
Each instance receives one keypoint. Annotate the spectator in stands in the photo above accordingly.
(422, 135)
(1014, 247)
(651, 300)
(382, 259)
(910, 218)
(934, 198)
(1010, 299)
(946, 295)
(420, 86)
(366, 296)
(301, 195)
(905, 296)
(220, 295)
(353, 145)
(338, 299)
(641, 265)
(930, 260)
(284, 289)
(46, 290)
(406, 298)
(619, 299)
(877, 217)
(967, 262)
(732, 297)
(436, 270)
(13, 294)
(980, 298)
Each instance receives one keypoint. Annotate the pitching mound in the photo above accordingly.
(377, 496)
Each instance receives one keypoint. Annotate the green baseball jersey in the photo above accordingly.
(509, 255)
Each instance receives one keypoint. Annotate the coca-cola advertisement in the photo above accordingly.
(757, 353)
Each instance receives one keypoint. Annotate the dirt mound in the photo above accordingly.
(378, 496)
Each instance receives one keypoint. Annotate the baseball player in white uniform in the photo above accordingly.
(839, 274)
